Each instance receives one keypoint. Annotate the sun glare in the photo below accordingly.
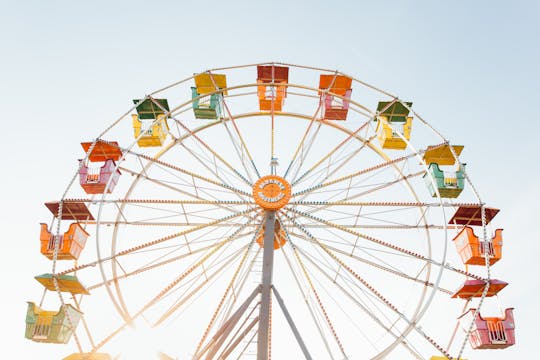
(140, 342)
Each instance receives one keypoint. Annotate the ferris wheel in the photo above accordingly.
(271, 210)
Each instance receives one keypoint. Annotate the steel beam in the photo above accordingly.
(267, 272)
(291, 324)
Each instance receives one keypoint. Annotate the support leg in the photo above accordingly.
(267, 271)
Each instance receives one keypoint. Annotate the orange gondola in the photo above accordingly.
(335, 107)
(70, 244)
(272, 97)
(473, 251)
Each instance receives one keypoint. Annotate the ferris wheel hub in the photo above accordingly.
(271, 192)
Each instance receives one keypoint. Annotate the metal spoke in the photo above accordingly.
(156, 265)
(362, 172)
(155, 242)
(319, 302)
(189, 173)
(380, 203)
(169, 287)
(335, 165)
(372, 190)
(411, 322)
(351, 135)
(332, 152)
(364, 309)
(305, 296)
(237, 130)
(195, 136)
(207, 279)
(226, 293)
(204, 162)
(377, 265)
(301, 144)
(380, 242)
(168, 186)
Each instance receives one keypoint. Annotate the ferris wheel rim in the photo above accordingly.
(441, 269)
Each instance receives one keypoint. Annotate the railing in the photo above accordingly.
(486, 248)
(269, 93)
(496, 332)
(92, 175)
(146, 127)
(53, 239)
(42, 327)
(450, 179)
(204, 103)
(397, 128)
(336, 103)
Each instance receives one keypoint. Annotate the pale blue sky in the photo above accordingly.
(471, 67)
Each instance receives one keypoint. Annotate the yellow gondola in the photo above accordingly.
(51, 326)
(393, 124)
(150, 122)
